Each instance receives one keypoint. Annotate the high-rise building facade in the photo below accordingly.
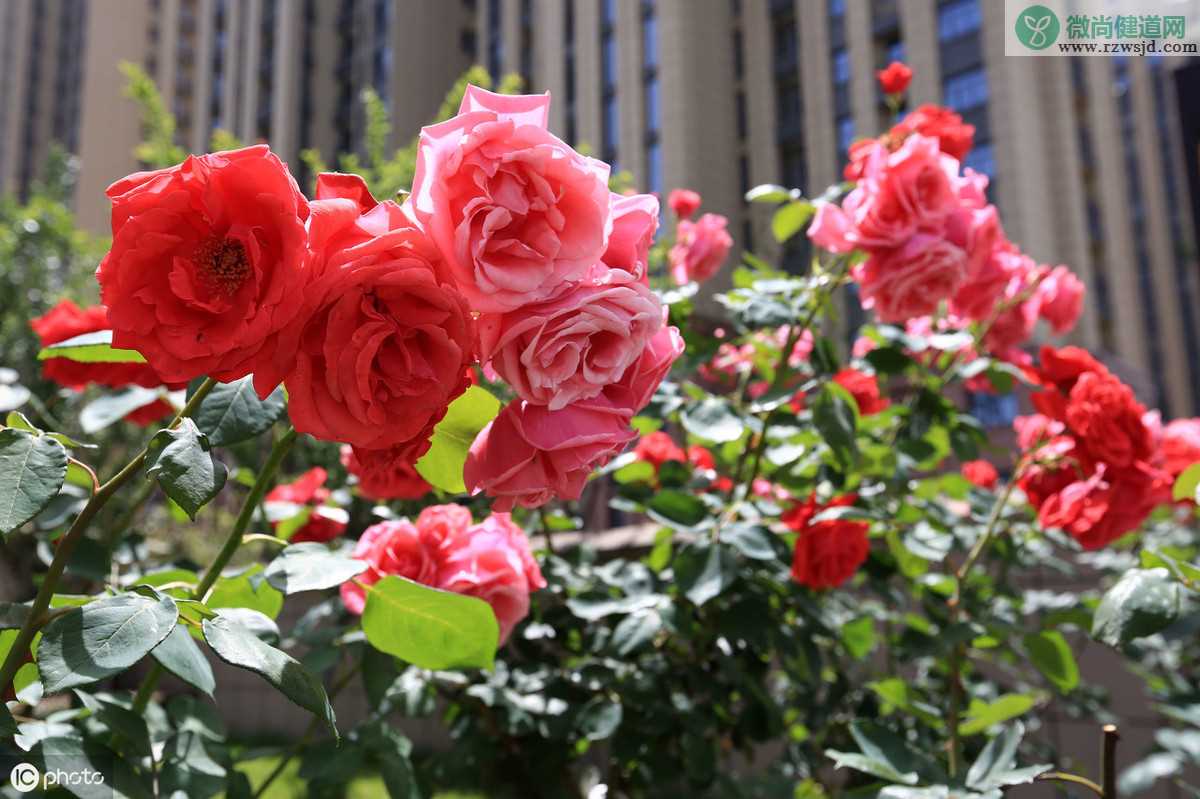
(1093, 161)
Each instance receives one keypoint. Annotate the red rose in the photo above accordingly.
(207, 264)
(894, 79)
(913, 279)
(954, 136)
(324, 524)
(684, 202)
(981, 473)
(701, 458)
(827, 553)
(1102, 508)
(385, 474)
(864, 388)
(1181, 445)
(657, 448)
(151, 412)
(67, 320)
(385, 345)
(1102, 412)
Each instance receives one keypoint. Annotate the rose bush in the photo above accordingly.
(826, 586)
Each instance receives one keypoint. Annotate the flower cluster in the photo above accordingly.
(490, 560)
(511, 251)
(1095, 468)
(934, 245)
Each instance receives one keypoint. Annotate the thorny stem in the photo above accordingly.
(232, 542)
(66, 547)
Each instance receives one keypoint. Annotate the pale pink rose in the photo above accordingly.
(1181, 445)
(389, 548)
(490, 563)
(700, 248)
(862, 346)
(514, 210)
(1034, 429)
(684, 202)
(439, 524)
(911, 280)
(529, 454)
(635, 220)
(829, 228)
(911, 189)
(637, 386)
(1060, 299)
(569, 348)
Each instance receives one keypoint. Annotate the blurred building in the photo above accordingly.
(1093, 160)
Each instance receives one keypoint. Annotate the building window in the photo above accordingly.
(650, 96)
(994, 410)
(966, 90)
(569, 57)
(845, 134)
(895, 52)
(958, 18)
(609, 60)
(841, 66)
(495, 55)
(527, 44)
(982, 160)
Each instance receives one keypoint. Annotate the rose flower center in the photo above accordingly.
(222, 264)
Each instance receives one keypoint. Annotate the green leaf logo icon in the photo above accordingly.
(1037, 27)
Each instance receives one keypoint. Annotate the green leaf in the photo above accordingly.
(111, 408)
(247, 589)
(981, 715)
(859, 637)
(703, 571)
(636, 472)
(636, 630)
(713, 420)
(752, 540)
(180, 459)
(677, 508)
(91, 348)
(791, 219)
(884, 755)
(1142, 602)
(1052, 655)
(995, 766)
(239, 647)
(32, 470)
(191, 766)
(311, 567)
(770, 193)
(599, 719)
(13, 615)
(429, 628)
(8, 725)
(232, 412)
(1187, 485)
(73, 755)
(442, 465)
(835, 415)
(179, 654)
(102, 638)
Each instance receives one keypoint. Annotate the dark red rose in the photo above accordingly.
(207, 265)
(1103, 414)
(827, 553)
(864, 388)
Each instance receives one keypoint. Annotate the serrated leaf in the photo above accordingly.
(430, 628)
(311, 566)
(179, 654)
(239, 647)
(232, 412)
(713, 420)
(1143, 602)
(1052, 656)
(91, 348)
(442, 465)
(181, 460)
(102, 638)
(32, 470)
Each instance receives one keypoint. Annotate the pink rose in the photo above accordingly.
(634, 222)
(829, 228)
(911, 280)
(905, 191)
(389, 548)
(637, 386)
(976, 298)
(978, 232)
(1060, 299)
(514, 210)
(440, 524)
(1015, 324)
(684, 202)
(493, 563)
(700, 248)
(571, 347)
(530, 454)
